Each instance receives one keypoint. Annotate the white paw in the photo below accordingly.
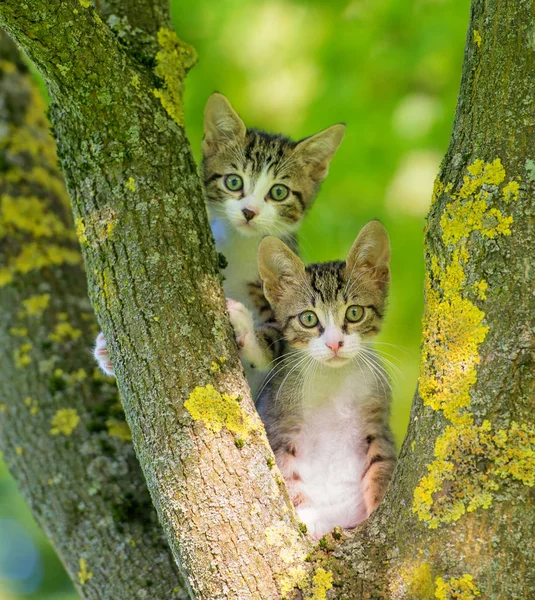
(241, 320)
(101, 355)
(316, 526)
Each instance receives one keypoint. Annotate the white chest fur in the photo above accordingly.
(240, 252)
(330, 458)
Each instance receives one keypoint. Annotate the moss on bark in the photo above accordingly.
(60, 419)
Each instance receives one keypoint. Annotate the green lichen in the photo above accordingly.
(64, 422)
(463, 588)
(173, 62)
(218, 410)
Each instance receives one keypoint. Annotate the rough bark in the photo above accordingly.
(453, 522)
(457, 514)
(155, 285)
(62, 429)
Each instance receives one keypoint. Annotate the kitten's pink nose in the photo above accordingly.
(249, 214)
(335, 346)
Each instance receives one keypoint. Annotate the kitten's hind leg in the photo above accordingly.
(257, 347)
(101, 355)
(380, 463)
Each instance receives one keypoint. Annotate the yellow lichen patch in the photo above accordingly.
(64, 332)
(130, 184)
(32, 405)
(22, 355)
(414, 580)
(119, 429)
(28, 215)
(36, 305)
(85, 3)
(477, 38)
(458, 481)
(463, 588)
(481, 288)
(3, 408)
(173, 62)
(322, 581)
(97, 227)
(35, 256)
(218, 410)
(7, 66)
(511, 191)
(80, 230)
(19, 450)
(18, 332)
(292, 551)
(84, 574)
(472, 463)
(461, 219)
(65, 422)
(452, 329)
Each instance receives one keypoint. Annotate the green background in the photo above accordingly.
(390, 70)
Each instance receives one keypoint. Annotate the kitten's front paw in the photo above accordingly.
(101, 355)
(316, 526)
(241, 320)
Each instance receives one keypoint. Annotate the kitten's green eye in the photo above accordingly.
(308, 319)
(355, 313)
(234, 183)
(278, 192)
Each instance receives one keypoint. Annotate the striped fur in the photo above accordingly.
(241, 217)
(326, 403)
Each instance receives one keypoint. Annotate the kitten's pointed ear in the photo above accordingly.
(221, 123)
(278, 267)
(369, 256)
(317, 151)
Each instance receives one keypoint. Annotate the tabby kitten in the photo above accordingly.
(325, 405)
(255, 184)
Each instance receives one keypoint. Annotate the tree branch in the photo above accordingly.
(62, 430)
(155, 284)
(136, 24)
(465, 475)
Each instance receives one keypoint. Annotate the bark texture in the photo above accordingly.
(155, 285)
(455, 520)
(62, 428)
(453, 523)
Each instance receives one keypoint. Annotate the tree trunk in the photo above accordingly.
(453, 522)
(155, 285)
(62, 429)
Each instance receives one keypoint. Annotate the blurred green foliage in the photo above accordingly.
(389, 69)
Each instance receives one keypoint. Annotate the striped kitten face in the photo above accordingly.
(328, 309)
(259, 182)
